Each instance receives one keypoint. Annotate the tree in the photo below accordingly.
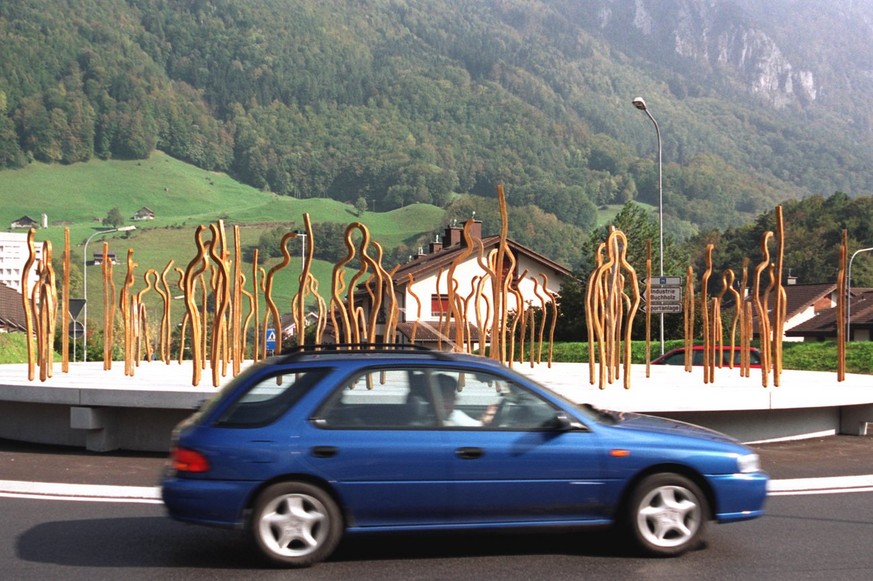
(361, 205)
(113, 219)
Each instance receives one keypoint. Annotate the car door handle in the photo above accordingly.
(469, 453)
(324, 451)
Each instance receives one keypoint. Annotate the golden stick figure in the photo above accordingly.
(781, 299)
(26, 304)
(520, 315)
(841, 309)
(65, 307)
(268, 287)
(411, 281)
(221, 289)
(184, 326)
(108, 308)
(485, 265)
(256, 284)
(591, 303)
(553, 299)
(44, 306)
(499, 290)
(763, 315)
(717, 325)
(141, 316)
(236, 340)
(165, 345)
(649, 308)
(245, 325)
(737, 318)
(689, 318)
(745, 323)
(632, 311)
(708, 367)
(337, 288)
(193, 273)
(124, 303)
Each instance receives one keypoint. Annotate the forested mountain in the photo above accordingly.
(404, 101)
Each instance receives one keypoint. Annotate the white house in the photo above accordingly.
(429, 272)
(13, 256)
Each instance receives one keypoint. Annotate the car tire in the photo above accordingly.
(667, 515)
(295, 524)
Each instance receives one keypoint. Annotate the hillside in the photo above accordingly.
(417, 101)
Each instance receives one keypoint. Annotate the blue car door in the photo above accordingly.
(377, 441)
(516, 464)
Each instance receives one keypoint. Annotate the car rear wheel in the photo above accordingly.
(295, 524)
(667, 515)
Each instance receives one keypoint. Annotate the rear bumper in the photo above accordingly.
(213, 503)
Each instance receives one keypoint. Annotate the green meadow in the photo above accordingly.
(77, 197)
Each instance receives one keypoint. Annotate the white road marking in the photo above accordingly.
(152, 494)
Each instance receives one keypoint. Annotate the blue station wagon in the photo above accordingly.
(306, 447)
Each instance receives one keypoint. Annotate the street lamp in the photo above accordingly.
(85, 283)
(641, 105)
(849, 295)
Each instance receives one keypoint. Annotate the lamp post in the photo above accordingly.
(85, 284)
(641, 105)
(849, 295)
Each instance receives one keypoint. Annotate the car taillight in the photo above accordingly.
(185, 460)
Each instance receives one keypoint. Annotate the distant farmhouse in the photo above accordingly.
(143, 214)
(24, 222)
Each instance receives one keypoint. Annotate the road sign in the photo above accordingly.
(76, 329)
(665, 281)
(666, 294)
(76, 306)
(666, 308)
(270, 339)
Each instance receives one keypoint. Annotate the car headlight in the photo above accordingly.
(748, 463)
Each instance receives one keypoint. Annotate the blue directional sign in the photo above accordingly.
(270, 339)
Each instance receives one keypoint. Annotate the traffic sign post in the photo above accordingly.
(666, 294)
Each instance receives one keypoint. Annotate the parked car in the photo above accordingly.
(677, 357)
(309, 446)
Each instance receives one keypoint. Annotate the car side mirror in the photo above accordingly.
(561, 422)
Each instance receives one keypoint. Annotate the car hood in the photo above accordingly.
(646, 423)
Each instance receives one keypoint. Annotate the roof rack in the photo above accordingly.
(300, 351)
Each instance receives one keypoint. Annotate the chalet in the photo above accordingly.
(824, 325)
(421, 286)
(143, 214)
(98, 258)
(24, 222)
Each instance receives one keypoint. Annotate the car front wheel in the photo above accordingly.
(667, 515)
(295, 524)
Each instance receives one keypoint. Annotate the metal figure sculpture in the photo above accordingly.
(193, 274)
(236, 294)
(65, 307)
(108, 308)
(736, 322)
(708, 367)
(763, 315)
(745, 322)
(688, 311)
(124, 303)
(553, 299)
(717, 325)
(841, 308)
(29, 326)
(410, 282)
(256, 284)
(166, 328)
(268, 287)
(611, 309)
(781, 309)
(44, 306)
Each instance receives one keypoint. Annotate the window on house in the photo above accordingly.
(439, 304)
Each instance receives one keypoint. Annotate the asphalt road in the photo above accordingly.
(813, 458)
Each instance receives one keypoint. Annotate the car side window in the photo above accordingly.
(268, 399)
(483, 401)
(381, 399)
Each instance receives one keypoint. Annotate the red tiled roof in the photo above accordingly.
(426, 264)
(11, 309)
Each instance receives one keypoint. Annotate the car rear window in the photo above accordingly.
(267, 400)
